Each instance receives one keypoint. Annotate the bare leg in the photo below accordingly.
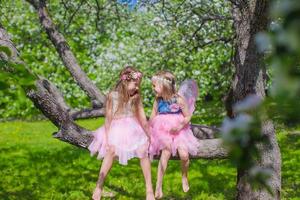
(146, 167)
(184, 157)
(105, 167)
(162, 166)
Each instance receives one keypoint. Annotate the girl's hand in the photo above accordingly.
(175, 130)
(107, 146)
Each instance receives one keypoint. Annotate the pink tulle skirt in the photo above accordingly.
(125, 136)
(161, 137)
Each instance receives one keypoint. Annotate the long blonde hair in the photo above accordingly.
(168, 82)
(128, 74)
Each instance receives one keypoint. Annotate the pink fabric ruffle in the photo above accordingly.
(161, 137)
(127, 138)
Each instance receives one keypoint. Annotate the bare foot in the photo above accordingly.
(97, 193)
(158, 193)
(185, 184)
(150, 196)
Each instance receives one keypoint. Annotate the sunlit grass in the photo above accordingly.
(33, 165)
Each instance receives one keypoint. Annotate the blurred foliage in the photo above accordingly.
(283, 42)
(107, 36)
(15, 78)
(243, 134)
(243, 138)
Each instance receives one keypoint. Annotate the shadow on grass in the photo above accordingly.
(209, 179)
(58, 174)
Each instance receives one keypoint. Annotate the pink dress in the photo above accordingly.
(169, 116)
(125, 135)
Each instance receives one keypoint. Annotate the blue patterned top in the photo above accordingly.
(168, 106)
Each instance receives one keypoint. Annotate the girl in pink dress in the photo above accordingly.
(125, 134)
(170, 125)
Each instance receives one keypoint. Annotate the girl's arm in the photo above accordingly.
(143, 119)
(108, 114)
(154, 110)
(185, 112)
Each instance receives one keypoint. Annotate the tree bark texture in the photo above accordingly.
(251, 17)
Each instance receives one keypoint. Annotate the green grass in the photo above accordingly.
(33, 165)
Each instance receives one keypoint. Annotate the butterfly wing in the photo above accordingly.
(189, 90)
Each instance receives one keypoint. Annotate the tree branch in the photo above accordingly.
(73, 15)
(66, 54)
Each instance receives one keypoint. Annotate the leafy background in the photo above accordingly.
(147, 39)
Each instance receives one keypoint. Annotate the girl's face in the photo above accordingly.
(157, 88)
(133, 87)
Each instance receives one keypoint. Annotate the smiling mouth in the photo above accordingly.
(134, 93)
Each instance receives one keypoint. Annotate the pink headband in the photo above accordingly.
(132, 75)
(161, 79)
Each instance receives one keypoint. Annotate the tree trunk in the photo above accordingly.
(66, 55)
(250, 18)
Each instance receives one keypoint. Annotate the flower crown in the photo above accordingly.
(161, 79)
(131, 75)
